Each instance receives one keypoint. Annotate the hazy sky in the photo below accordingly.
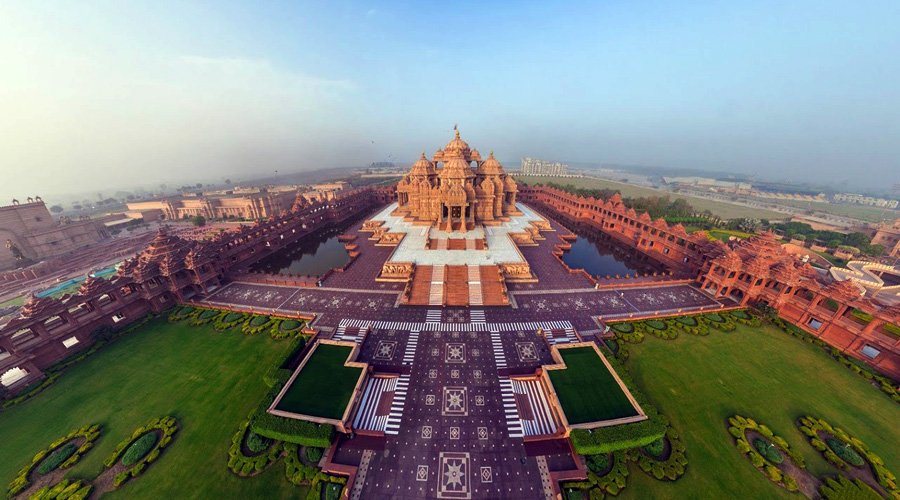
(100, 95)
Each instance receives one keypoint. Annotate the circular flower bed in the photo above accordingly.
(766, 452)
(622, 327)
(655, 324)
(61, 454)
(229, 320)
(251, 453)
(256, 324)
(132, 455)
(664, 459)
(822, 435)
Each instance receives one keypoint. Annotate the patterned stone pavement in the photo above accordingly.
(454, 428)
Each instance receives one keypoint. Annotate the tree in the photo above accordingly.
(77, 206)
(198, 220)
(56, 209)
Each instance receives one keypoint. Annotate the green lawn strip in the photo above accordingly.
(17, 301)
(587, 391)
(209, 381)
(698, 382)
(324, 385)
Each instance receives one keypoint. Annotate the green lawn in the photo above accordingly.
(324, 385)
(761, 373)
(723, 209)
(862, 212)
(209, 381)
(18, 301)
(587, 391)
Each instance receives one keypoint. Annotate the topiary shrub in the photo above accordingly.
(817, 429)
(56, 458)
(66, 489)
(655, 324)
(845, 452)
(86, 435)
(765, 455)
(313, 454)
(138, 451)
(845, 489)
(598, 464)
(768, 450)
(656, 448)
(257, 443)
(139, 448)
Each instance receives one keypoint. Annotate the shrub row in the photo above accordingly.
(842, 488)
(886, 385)
(287, 429)
(166, 427)
(244, 465)
(88, 433)
(299, 473)
(669, 328)
(814, 428)
(670, 469)
(598, 486)
(620, 437)
(763, 462)
(64, 490)
(249, 324)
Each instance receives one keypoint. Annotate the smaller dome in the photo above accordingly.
(456, 168)
(423, 166)
(490, 166)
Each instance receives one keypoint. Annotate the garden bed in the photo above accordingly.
(49, 465)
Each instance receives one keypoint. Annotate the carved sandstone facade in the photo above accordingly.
(453, 195)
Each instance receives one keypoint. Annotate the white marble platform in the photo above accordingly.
(500, 247)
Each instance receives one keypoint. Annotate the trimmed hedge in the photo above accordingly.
(845, 452)
(56, 458)
(738, 428)
(301, 474)
(139, 449)
(89, 433)
(245, 466)
(66, 489)
(165, 426)
(669, 469)
(845, 489)
(603, 440)
(815, 429)
(313, 454)
(289, 430)
(610, 483)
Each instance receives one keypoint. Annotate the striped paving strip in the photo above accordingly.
(366, 414)
(553, 340)
(497, 346)
(356, 492)
(411, 343)
(396, 415)
(351, 332)
(434, 326)
(477, 316)
(513, 422)
(543, 422)
(433, 316)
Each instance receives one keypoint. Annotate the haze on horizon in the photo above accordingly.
(103, 95)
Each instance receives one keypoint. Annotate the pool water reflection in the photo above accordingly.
(603, 256)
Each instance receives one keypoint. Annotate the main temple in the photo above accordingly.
(446, 191)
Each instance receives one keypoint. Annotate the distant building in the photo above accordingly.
(28, 232)
(236, 204)
(709, 184)
(859, 199)
(534, 166)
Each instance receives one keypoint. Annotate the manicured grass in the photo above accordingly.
(324, 385)
(587, 391)
(18, 301)
(762, 373)
(722, 209)
(208, 380)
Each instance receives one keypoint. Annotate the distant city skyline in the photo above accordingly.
(104, 96)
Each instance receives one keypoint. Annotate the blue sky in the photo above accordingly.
(100, 93)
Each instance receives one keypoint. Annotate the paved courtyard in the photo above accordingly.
(446, 416)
